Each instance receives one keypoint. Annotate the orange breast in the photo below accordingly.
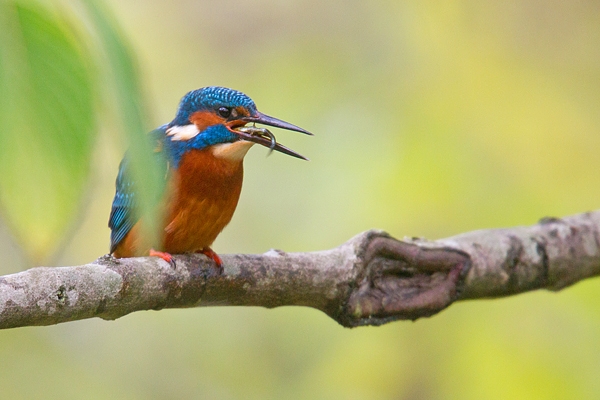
(201, 199)
(205, 194)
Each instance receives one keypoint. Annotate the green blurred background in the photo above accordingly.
(430, 119)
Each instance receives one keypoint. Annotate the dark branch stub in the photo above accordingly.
(402, 280)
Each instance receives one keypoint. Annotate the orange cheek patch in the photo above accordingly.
(204, 119)
(241, 112)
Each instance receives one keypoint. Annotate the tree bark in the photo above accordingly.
(370, 280)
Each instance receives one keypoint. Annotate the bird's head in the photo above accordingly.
(214, 116)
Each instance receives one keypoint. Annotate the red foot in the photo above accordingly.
(165, 256)
(208, 252)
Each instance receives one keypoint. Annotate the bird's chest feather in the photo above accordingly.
(204, 192)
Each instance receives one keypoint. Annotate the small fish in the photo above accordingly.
(260, 132)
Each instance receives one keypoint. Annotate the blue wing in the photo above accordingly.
(123, 215)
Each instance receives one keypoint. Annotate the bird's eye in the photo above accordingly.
(224, 112)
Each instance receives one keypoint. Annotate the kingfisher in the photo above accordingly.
(204, 148)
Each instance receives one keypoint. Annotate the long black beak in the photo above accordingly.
(267, 139)
(264, 119)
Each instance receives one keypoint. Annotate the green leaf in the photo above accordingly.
(47, 125)
(148, 169)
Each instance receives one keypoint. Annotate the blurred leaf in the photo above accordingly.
(46, 115)
(147, 169)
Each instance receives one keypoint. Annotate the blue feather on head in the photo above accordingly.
(210, 98)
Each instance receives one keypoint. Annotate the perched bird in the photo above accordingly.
(204, 147)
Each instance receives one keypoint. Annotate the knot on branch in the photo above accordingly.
(401, 280)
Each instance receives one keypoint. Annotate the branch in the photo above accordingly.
(370, 280)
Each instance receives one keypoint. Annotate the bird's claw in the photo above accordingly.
(208, 252)
(165, 256)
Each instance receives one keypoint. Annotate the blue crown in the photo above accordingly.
(210, 98)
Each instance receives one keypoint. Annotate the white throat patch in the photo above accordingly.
(233, 152)
(183, 132)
